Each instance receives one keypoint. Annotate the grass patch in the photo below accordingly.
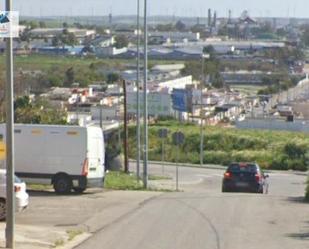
(46, 62)
(158, 178)
(58, 242)
(73, 233)
(247, 89)
(122, 181)
(38, 187)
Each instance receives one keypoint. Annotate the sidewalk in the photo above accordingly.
(110, 207)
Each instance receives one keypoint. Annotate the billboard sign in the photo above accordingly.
(159, 104)
(182, 100)
(9, 24)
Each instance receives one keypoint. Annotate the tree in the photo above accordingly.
(22, 102)
(70, 76)
(217, 80)
(112, 78)
(212, 66)
(39, 112)
(25, 35)
(33, 25)
(209, 50)
(70, 39)
(281, 32)
(54, 80)
(100, 30)
(42, 24)
(78, 25)
(165, 27)
(66, 38)
(180, 26)
(295, 151)
(121, 41)
(223, 31)
(56, 41)
(65, 25)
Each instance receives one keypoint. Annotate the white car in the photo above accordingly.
(21, 196)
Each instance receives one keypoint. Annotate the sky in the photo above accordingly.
(191, 8)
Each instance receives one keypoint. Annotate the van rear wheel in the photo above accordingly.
(79, 190)
(2, 209)
(63, 184)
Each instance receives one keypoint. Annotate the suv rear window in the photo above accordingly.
(236, 168)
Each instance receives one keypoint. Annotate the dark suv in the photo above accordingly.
(246, 177)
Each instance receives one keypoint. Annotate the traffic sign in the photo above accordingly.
(178, 138)
(163, 133)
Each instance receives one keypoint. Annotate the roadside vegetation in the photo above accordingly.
(277, 150)
(307, 191)
(121, 181)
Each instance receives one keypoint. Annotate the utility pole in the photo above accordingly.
(201, 117)
(138, 114)
(118, 116)
(125, 122)
(204, 56)
(101, 116)
(9, 93)
(145, 171)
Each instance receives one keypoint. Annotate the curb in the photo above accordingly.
(185, 165)
(76, 241)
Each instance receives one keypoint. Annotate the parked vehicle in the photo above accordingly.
(21, 196)
(244, 177)
(68, 157)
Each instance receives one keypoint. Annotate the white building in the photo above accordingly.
(52, 32)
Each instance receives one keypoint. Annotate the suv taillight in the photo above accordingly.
(257, 177)
(17, 188)
(227, 175)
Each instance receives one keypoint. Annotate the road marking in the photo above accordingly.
(209, 175)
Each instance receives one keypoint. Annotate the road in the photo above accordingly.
(201, 216)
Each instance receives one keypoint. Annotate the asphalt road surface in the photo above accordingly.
(201, 217)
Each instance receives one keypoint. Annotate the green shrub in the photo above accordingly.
(297, 164)
(279, 162)
(217, 157)
(295, 151)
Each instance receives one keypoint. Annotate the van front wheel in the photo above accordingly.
(63, 184)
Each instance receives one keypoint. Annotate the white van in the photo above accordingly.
(69, 157)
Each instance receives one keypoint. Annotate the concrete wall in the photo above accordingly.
(274, 124)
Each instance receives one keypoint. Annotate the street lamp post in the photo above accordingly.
(138, 114)
(204, 56)
(145, 170)
(9, 93)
